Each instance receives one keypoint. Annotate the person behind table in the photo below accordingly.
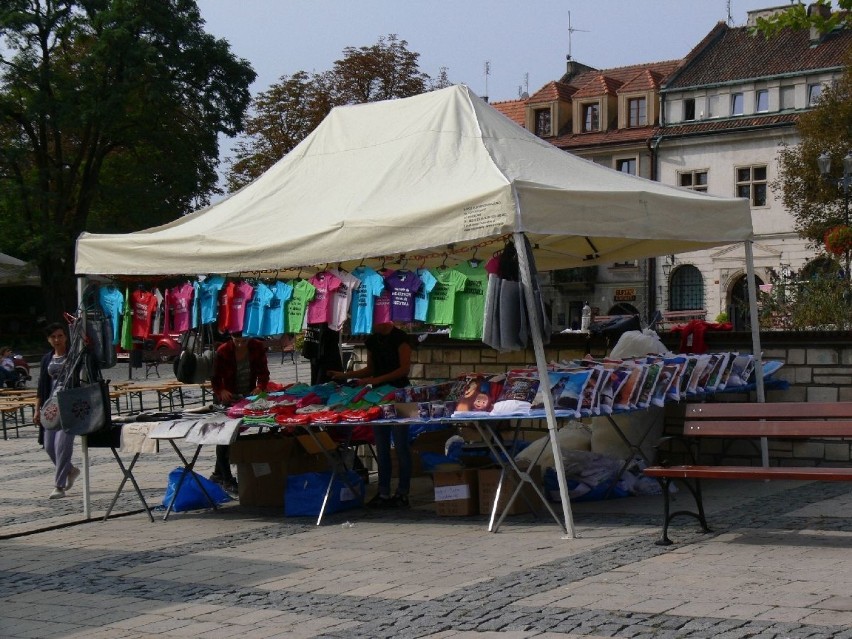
(58, 444)
(7, 365)
(388, 362)
(239, 369)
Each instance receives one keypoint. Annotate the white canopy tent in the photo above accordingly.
(427, 178)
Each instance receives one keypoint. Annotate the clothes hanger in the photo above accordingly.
(473, 261)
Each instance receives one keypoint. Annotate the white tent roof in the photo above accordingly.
(423, 176)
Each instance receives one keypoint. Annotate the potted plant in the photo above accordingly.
(838, 240)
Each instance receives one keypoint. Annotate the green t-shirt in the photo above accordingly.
(303, 292)
(469, 309)
(442, 299)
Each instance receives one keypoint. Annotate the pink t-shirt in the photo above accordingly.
(319, 308)
(178, 315)
(237, 306)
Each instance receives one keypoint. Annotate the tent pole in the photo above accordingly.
(755, 340)
(525, 261)
(84, 446)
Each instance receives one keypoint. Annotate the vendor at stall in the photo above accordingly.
(239, 369)
(388, 362)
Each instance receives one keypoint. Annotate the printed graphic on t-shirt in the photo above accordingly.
(303, 292)
(469, 309)
(178, 308)
(443, 296)
(319, 309)
(364, 299)
(242, 293)
(402, 286)
(143, 304)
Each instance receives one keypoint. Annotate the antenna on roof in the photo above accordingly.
(731, 17)
(571, 30)
(487, 73)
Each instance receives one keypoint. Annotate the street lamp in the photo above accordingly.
(824, 163)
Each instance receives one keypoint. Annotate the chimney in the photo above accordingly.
(822, 11)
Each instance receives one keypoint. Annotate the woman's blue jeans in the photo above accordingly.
(382, 434)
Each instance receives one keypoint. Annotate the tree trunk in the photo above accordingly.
(59, 287)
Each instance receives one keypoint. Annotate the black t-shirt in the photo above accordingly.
(384, 350)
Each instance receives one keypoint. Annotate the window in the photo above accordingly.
(689, 109)
(788, 98)
(736, 104)
(713, 108)
(695, 180)
(591, 117)
(751, 184)
(637, 112)
(542, 122)
(814, 91)
(686, 290)
(626, 165)
(761, 101)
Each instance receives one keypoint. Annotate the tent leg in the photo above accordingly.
(534, 312)
(757, 349)
(81, 282)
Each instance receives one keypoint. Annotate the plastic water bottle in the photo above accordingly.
(586, 320)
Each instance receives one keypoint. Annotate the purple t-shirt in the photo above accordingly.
(402, 286)
(382, 309)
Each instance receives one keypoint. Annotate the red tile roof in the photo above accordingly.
(515, 110)
(624, 74)
(729, 54)
(645, 80)
(598, 85)
(553, 91)
(730, 124)
(604, 138)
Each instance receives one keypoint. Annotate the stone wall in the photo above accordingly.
(818, 367)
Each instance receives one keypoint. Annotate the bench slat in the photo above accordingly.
(769, 428)
(820, 473)
(778, 410)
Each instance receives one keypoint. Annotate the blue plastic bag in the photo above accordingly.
(190, 496)
(304, 494)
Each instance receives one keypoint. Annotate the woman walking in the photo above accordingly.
(58, 444)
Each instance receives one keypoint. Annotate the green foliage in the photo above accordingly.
(289, 110)
(822, 303)
(797, 16)
(110, 112)
(721, 318)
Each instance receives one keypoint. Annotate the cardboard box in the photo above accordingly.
(456, 493)
(315, 444)
(262, 469)
(429, 442)
(489, 478)
(263, 464)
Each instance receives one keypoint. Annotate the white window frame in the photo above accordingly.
(814, 93)
(737, 97)
(628, 158)
(583, 124)
(640, 121)
(757, 95)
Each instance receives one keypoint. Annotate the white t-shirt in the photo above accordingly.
(341, 298)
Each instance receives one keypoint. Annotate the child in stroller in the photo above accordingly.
(11, 375)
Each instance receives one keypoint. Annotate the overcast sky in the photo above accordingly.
(280, 37)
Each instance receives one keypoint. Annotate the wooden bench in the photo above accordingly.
(782, 420)
(672, 318)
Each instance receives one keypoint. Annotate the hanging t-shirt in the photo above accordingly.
(223, 306)
(127, 323)
(157, 320)
(469, 309)
(402, 286)
(178, 308)
(255, 310)
(364, 299)
(319, 308)
(303, 292)
(443, 296)
(208, 297)
(342, 298)
(112, 303)
(421, 298)
(273, 312)
(382, 308)
(143, 304)
(242, 293)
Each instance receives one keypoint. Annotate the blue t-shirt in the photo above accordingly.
(421, 298)
(207, 294)
(273, 313)
(253, 321)
(364, 299)
(112, 302)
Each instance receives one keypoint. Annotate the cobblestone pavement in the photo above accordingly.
(778, 565)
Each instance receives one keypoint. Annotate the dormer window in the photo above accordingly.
(591, 117)
(542, 123)
(689, 109)
(761, 101)
(814, 91)
(637, 112)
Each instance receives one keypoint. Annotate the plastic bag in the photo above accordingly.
(190, 496)
(304, 494)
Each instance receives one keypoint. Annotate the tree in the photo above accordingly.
(798, 16)
(288, 111)
(110, 112)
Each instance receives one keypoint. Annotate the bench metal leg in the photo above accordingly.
(695, 489)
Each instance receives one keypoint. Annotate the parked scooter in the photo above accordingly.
(22, 373)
